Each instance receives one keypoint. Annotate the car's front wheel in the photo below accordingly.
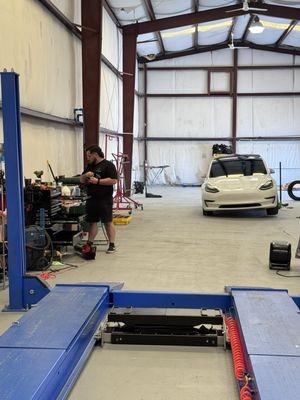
(207, 213)
(272, 211)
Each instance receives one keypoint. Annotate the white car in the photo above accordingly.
(239, 182)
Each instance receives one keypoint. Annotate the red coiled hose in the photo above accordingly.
(236, 348)
(245, 392)
(238, 358)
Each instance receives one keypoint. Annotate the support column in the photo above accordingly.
(129, 60)
(14, 188)
(91, 21)
(145, 124)
(234, 98)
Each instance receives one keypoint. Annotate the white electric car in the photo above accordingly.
(239, 182)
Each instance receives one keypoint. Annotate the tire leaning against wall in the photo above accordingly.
(290, 190)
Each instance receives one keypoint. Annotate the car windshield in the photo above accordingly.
(246, 167)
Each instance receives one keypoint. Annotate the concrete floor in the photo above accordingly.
(171, 246)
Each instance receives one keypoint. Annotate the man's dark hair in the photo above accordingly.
(95, 149)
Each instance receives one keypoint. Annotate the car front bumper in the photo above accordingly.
(231, 200)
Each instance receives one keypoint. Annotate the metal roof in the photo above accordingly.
(280, 19)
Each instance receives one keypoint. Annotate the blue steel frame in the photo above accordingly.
(23, 291)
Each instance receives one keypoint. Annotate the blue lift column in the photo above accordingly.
(23, 291)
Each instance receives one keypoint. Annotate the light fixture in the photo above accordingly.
(256, 26)
(150, 57)
(245, 6)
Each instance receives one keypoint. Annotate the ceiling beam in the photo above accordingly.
(276, 11)
(215, 14)
(246, 31)
(184, 20)
(286, 33)
(231, 30)
(176, 54)
(282, 49)
(151, 14)
(196, 8)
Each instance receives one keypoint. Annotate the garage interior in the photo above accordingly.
(162, 81)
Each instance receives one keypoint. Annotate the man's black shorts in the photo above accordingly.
(99, 210)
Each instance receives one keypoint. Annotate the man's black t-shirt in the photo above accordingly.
(104, 169)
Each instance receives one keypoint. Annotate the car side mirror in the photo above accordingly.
(272, 171)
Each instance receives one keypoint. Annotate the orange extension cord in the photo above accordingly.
(238, 358)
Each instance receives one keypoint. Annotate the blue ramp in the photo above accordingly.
(42, 354)
(270, 326)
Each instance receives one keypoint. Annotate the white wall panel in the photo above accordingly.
(273, 152)
(190, 81)
(110, 99)
(258, 57)
(160, 81)
(189, 117)
(188, 161)
(267, 116)
(220, 57)
(48, 58)
(245, 116)
(222, 117)
(161, 117)
(42, 141)
(66, 7)
(296, 80)
(136, 117)
(245, 81)
(141, 119)
(111, 41)
(212, 117)
(110, 144)
(177, 81)
(136, 162)
(278, 80)
(220, 82)
(41, 51)
(273, 81)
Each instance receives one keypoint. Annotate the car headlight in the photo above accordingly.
(211, 189)
(268, 185)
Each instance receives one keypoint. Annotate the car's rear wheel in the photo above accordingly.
(272, 211)
(207, 213)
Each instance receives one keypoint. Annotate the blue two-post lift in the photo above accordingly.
(42, 354)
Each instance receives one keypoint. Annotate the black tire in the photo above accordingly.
(290, 190)
(207, 213)
(272, 211)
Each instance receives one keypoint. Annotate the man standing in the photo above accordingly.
(99, 177)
